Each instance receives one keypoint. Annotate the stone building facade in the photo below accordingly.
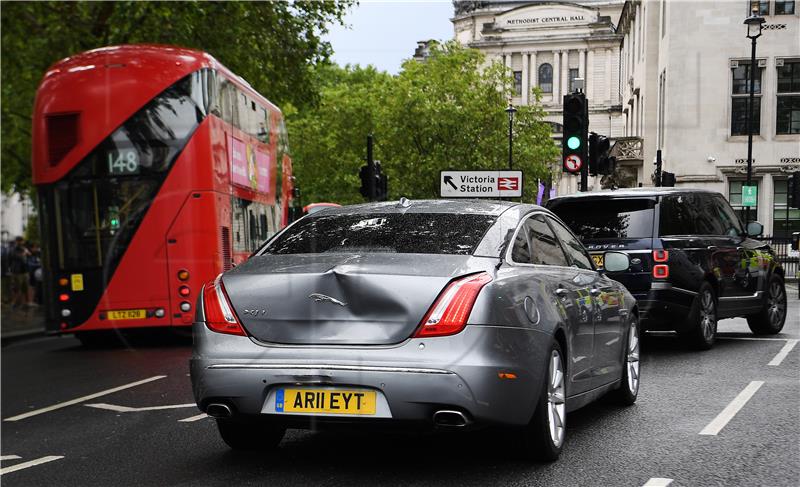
(684, 69)
(548, 45)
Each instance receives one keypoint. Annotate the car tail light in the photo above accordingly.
(218, 311)
(452, 308)
(660, 256)
(661, 271)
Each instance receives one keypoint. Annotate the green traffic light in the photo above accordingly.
(573, 142)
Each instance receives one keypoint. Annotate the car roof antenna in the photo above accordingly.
(403, 203)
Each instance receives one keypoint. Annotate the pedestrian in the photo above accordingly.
(18, 266)
(34, 263)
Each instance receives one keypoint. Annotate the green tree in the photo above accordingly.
(329, 142)
(445, 113)
(273, 45)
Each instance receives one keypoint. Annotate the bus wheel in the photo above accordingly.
(97, 339)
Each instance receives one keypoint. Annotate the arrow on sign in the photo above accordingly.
(449, 180)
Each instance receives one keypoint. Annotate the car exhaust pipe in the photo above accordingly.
(217, 410)
(450, 419)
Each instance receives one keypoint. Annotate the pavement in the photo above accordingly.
(20, 323)
(125, 416)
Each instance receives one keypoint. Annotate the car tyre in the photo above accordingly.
(250, 435)
(772, 316)
(629, 385)
(543, 437)
(702, 321)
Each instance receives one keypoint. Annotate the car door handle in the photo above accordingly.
(561, 292)
(594, 292)
(712, 247)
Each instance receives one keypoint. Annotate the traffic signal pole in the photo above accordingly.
(658, 167)
(370, 170)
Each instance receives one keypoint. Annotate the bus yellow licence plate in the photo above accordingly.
(330, 401)
(127, 314)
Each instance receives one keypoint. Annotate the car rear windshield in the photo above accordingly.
(604, 219)
(421, 233)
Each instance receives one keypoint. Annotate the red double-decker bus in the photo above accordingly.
(156, 169)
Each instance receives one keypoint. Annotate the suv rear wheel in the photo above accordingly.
(772, 316)
(702, 330)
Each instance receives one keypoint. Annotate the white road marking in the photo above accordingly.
(784, 352)
(31, 463)
(194, 418)
(82, 399)
(658, 482)
(10, 457)
(755, 339)
(716, 425)
(127, 409)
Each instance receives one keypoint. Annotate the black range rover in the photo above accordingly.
(692, 261)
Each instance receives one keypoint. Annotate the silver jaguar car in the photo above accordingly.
(446, 314)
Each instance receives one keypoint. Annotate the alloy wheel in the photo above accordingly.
(708, 316)
(556, 399)
(632, 359)
(776, 303)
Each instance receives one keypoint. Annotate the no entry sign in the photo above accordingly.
(573, 163)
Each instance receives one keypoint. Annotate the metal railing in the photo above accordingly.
(782, 246)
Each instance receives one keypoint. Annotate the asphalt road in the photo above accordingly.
(110, 440)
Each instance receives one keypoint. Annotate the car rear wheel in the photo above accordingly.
(543, 437)
(250, 435)
(629, 387)
(702, 330)
(770, 320)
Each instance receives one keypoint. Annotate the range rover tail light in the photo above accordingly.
(218, 311)
(661, 270)
(451, 310)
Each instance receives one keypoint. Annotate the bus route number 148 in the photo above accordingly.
(126, 162)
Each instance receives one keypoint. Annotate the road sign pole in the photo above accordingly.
(584, 177)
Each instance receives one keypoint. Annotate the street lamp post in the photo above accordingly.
(510, 111)
(753, 23)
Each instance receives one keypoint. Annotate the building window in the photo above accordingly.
(573, 75)
(518, 83)
(762, 7)
(788, 109)
(735, 199)
(740, 100)
(781, 227)
(546, 78)
(784, 8)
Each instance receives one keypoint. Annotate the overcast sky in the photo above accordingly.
(384, 33)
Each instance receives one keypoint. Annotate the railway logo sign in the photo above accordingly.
(480, 184)
(573, 163)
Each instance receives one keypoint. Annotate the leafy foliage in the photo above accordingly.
(445, 113)
(273, 45)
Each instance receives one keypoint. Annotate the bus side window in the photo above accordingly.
(263, 125)
(228, 101)
(212, 93)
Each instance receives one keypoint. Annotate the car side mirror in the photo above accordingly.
(616, 261)
(754, 229)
